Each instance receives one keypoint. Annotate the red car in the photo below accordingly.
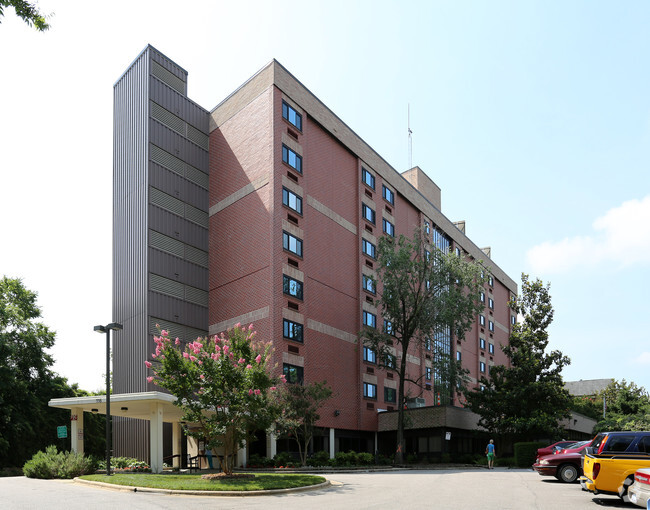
(566, 467)
(548, 450)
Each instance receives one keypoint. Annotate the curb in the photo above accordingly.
(270, 492)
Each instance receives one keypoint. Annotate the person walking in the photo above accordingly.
(490, 452)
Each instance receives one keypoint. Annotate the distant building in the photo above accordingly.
(268, 209)
(589, 387)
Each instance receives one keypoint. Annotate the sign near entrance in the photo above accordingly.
(62, 432)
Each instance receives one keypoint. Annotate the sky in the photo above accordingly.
(533, 118)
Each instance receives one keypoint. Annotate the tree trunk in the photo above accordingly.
(399, 451)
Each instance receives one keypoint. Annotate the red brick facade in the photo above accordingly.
(248, 262)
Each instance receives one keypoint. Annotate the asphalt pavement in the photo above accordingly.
(453, 489)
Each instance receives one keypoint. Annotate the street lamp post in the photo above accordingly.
(107, 329)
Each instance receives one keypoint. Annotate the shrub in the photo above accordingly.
(284, 459)
(504, 461)
(365, 459)
(54, 464)
(525, 453)
(345, 459)
(319, 459)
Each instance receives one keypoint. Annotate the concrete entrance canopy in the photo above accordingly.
(153, 406)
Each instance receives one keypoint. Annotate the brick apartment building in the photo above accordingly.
(268, 209)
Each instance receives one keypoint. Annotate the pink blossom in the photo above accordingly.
(164, 332)
(192, 358)
(258, 360)
(177, 342)
(249, 366)
(201, 376)
(153, 356)
(147, 364)
(272, 388)
(251, 326)
(150, 379)
(238, 325)
(241, 360)
(257, 392)
(250, 392)
(186, 355)
(283, 378)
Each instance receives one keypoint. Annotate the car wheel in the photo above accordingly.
(622, 491)
(568, 473)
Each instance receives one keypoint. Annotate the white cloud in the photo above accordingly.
(621, 236)
(642, 359)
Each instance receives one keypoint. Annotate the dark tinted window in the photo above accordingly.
(644, 444)
(619, 443)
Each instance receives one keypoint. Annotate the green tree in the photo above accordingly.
(27, 11)
(627, 407)
(526, 399)
(300, 405)
(27, 383)
(423, 291)
(221, 384)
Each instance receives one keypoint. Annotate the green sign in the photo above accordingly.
(62, 432)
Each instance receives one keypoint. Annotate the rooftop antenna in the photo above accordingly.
(410, 137)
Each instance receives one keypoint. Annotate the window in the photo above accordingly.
(491, 348)
(292, 330)
(389, 228)
(292, 159)
(291, 200)
(458, 253)
(368, 213)
(513, 319)
(388, 327)
(292, 243)
(427, 343)
(390, 394)
(391, 361)
(481, 320)
(491, 303)
(491, 325)
(292, 287)
(459, 356)
(482, 297)
(291, 115)
(368, 284)
(369, 390)
(481, 342)
(427, 255)
(389, 196)
(293, 374)
(427, 373)
(368, 178)
(369, 319)
(482, 367)
(368, 248)
(490, 281)
(427, 227)
(369, 355)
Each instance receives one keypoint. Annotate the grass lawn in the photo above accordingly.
(196, 483)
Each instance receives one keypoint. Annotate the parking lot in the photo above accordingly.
(454, 489)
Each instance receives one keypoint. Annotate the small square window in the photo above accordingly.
(368, 178)
(293, 374)
(368, 213)
(292, 159)
(290, 114)
(369, 319)
(368, 249)
(292, 243)
(369, 355)
(369, 390)
(389, 196)
(389, 228)
(292, 287)
(368, 284)
(292, 330)
(291, 200)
